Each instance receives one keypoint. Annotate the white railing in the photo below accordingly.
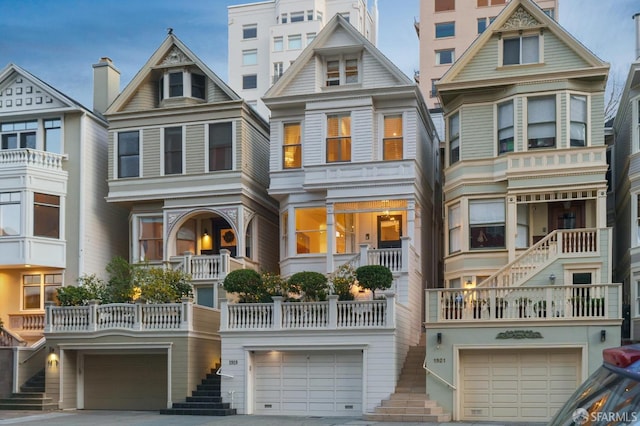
(558, 244)
(595, 301)
(331, 314)
(26, 322)
(203, 267)
(31, 157)
(7, 338)
(396, 259)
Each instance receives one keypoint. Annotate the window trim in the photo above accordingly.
(137, 234)
(339, 138)
(495, 224)
(294, 37)
(43, 285)
(587, 107)
(440, 25)
(207, 148)
(453, 227)
(343, 76)
(163, 163)
(58, 206)
(278, 41)
(247, 78)
(500, 129)
(285, 146)
(539, 35)
(439, 53)
(391, 139)
(116, 163)
(529, 123)
(453, 138)
(248, 54)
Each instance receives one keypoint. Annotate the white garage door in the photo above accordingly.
(517, 385)
(308, 383)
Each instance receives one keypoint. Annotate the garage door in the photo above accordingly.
(125, 382)
(517, 385)
(308, 383)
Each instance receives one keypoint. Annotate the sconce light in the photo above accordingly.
(205, 233)
(552, 279)
(469, 283)
(603, 335)
(52, 349)
(439, 338)
(207, 243)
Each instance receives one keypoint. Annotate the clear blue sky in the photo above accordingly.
(59, 40)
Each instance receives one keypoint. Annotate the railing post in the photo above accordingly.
(277, 312)
(187, 314)
(224, 315)
(559, 243)
(364, 258)
(215, 294)
(390, 320)
(48, 320)
(137, 320)
(333, 311)
(225, 263)
(187, 263)
(404, 241)
(93, 315)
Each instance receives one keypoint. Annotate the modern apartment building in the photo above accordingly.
(265, 38)
(448, 27)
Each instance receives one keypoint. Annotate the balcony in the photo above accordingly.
(209, 267)
(38, 251)
(523, 304)
(23, 158)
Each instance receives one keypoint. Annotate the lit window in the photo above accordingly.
(333, 73)
(505, 127)
(249, 31)
(278, 45)
(297, 16)
(294, 42)
(10, 217)
(198, 86)
(454, 138)
(342, 71)
(445, 29)
(175, 84)
(541, 119)
(392, 142)
(443, 5)
(46, 215)
(486, 224)
(345, 233)
(249, 81)
(292, 146)
(311, 230)
(338, 138)
(250, 57)
(150, 238)
(128, 154)
(455, 229)
(172, 150)
(40, 288)
(444, 57)
(220, 146)
(521, 50)
(578, 120)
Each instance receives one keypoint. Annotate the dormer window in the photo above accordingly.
(197, 86)
(175, 84)
(342, 71)
(179, 84)
(521, 50)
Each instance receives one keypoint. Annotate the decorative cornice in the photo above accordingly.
(520, 19)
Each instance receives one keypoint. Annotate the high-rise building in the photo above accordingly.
(266, 37)
(448, 27)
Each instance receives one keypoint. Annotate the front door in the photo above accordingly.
(566, 215)
(389, 231)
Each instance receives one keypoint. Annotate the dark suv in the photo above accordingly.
(610, 396)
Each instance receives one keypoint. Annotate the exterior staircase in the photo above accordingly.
(410, 402)
(206, 400)
(30, 397)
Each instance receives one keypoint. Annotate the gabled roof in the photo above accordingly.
(171, 51)
(521, 14)
(318, 45)
(12, 74)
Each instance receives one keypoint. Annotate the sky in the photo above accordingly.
(59, 40)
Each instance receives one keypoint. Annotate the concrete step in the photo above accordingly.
(416, 418)
(408, 396)
(419, 403)
(409, 410)
(200, 412)
(202, 405)
(211, 399)
(28, 406)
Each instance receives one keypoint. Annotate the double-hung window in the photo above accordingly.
(445, 29)
(198, 85)
(249, 81)
(172, 150)
(128, 154)
(150, 229)
(292, 146)
(38, 289)
(278, 44)
(338, 138)
(446, 56)
(392, 142)
(505, 127)
(578, 113)
(455, 229)
(220, 146)
(454, 138)
(46, 215)
(482, 25)
(294, 42)
(250, 57)
(521, 50)
(52, 136)
(10, 217)
(342, 71)
(486, 224)
(175, 84)
(541, 122)
(278, 70)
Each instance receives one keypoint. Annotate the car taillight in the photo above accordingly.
(622, 357)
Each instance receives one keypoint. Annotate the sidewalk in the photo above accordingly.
(148, 418)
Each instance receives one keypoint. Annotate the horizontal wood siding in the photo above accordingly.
(520, 123)
(483, 64)
(314, 139)
(362, 135)
(195, 147)
(340, 38)
(374, 74)
(275, 147)
(597, 121)
(151, 155)
(304, 81)
(215, 94)
(265, 250)
(477, 132)
(564, 136)
(410, 136)
(144, 98)
(254, 149)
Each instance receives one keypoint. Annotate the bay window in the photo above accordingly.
(455, 229)
(220, 146)
(541, 122)
(150, 242)
(172, 150)
(486, 224)
(10, 217)
(454, 138)
(505, 127)
(311, 230)
(578, 131)
(292, 146)
(338, 138)
(46, 215)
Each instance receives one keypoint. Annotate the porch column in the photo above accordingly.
(364, 254)
(411, 219)
(601, 215)
(224, 315)
(511, 227)
(291, 232)
(333, 311)
(331, 238)
(241, 238)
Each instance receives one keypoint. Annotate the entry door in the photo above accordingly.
(389, 231)
(566, 215)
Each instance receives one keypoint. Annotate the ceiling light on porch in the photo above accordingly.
(206, 242)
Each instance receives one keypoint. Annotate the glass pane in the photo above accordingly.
(204, 296)
(198, 86)
(445, 29)
(220, 146)
(486, 236)
(292, 133)
(393, 149)
(150, 227)
(393, 126)
(10, 222)
(541, 110)
(51, 293)
(511, 51)
(530, 50)
(173, 150)
(579, 108)
(31, 297)
(311, 226)
(53, 141)
(490, 211)
(28, 140)
(46, 217)
(351, 71)
(175, 84)
(292, 157)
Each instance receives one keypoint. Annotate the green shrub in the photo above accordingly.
(342, 280)
(246, 283)
(374, 277)
(89, 287)
(120, 287)
(160, 285)
(273, 285)
(312, 286)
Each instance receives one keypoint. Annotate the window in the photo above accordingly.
(310, 38)
(249, 81)
(482, 25)
(175, 84)
(198, 86)
(319, 16)
(541, 119)
(345, 233)
(292, 146)
(445, 56)
(249, 31)
(342, 71)
(40, 288)
(442, 5)
(278, 45)
(186, 238)
(578, 130)
(311, 230)
(150, 238)
(351, 71)
(434, 91)
(172, 150)
(309, 15)
(10, 217)
(220, 146)
(520, 50)
(128, 154)
(46, 215)
(338, 138)
(284, 18)
(455, 229)
(285, 234)
(278, 69)
(551, 13)
(333, 73)
(483, 3)
(297, 16)
(345, 15)
(445, 29)
(20, 134)
(250, 57)
(392, 142)
(454, 138)
(52, 136)
(486, 224)
(294, 42)
(522, 240)
(505, 127)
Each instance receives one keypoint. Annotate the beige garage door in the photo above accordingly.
(125, 382)
(517, 385)
(318, 383)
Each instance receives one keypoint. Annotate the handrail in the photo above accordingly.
(12, 337)
(424, 365)
(220, 373)
(41, 345)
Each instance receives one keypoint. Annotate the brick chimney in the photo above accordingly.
(106, 84)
